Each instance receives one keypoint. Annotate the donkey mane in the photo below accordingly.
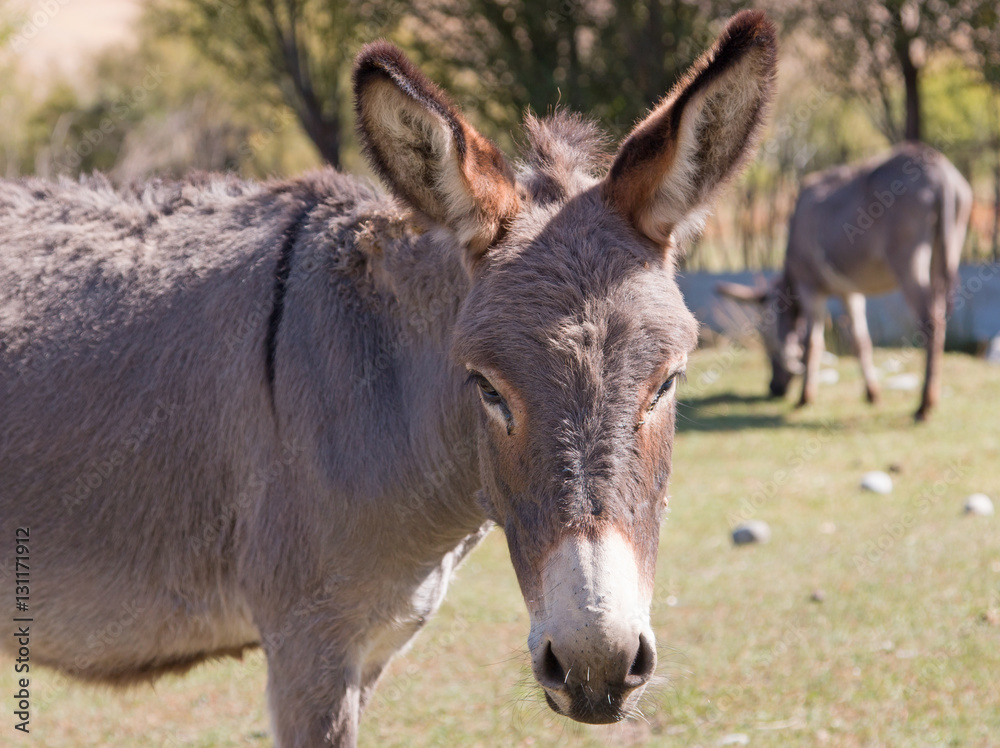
(95, 196)
(565, 152)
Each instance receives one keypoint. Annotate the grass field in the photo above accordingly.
(901, 649)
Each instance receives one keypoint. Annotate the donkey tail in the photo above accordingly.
(956, 208)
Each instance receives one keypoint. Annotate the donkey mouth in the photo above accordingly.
(552, 703)
(590, 709)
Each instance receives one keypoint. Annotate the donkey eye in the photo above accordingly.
(487, 390)
(665, 388)
(492, 398)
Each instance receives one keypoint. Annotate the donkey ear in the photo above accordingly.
(427, 153)
(671, 166)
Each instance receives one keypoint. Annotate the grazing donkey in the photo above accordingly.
(281, 414)
(857, 231)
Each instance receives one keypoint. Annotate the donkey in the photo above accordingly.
(281, 414)
(898, 221)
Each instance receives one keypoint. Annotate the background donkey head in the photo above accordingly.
(574, 333)
(782, 326)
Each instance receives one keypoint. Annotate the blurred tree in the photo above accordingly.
(299, 51)
(156, 109)
(610, 60)
(877, 45)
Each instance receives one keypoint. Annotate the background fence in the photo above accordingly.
(975, 319)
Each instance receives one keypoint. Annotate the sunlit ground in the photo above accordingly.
(903, 649)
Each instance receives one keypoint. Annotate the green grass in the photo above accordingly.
(903, 649)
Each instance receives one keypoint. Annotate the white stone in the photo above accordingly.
(877, 481)
(753, 531)
(829, 359)
(735, 738)
(903, 382)
(828, 376)
(979, 504)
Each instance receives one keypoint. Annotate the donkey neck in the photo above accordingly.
(370, 308)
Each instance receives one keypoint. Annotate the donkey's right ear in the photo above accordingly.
(427, 153)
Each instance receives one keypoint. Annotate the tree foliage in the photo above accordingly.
(610, 60)
(157, 109)
(296, 50)
(879, 48)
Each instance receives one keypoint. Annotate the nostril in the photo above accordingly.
(552, 675)
(643, 664)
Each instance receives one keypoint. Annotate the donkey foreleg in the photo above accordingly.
(815, 306)
(314, 692)
(855, 304)
(934, 325)
(928, 300)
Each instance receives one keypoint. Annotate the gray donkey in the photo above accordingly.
(898, 221)
(280, 415)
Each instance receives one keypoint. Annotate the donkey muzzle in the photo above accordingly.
(592, 648)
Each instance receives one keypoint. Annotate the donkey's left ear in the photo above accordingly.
(427, 153)
(671, 166)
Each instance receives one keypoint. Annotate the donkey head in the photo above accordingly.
(782, 326)
(574, 333)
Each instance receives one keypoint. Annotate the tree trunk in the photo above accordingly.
(324, 133)
(995, 237)
(912, 99)
(912, 83)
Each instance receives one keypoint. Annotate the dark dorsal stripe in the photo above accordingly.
(281, 272)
